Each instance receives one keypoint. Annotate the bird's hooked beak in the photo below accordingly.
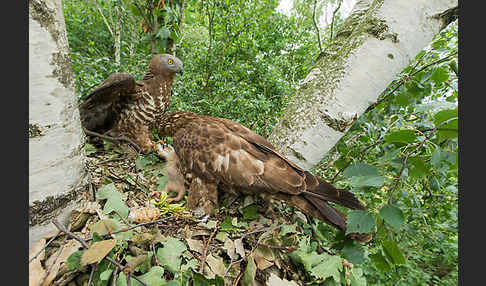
(180, 71)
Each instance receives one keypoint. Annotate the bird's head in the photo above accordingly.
(166, 65)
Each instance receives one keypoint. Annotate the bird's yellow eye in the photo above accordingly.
(170, 62)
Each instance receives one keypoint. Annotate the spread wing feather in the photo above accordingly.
(98, 111)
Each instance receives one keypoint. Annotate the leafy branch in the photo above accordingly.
(406, 78)
(404, 162)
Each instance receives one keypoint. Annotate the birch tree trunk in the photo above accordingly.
(378, 40)
(56, 142)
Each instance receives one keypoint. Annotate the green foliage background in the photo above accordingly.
(244, 59)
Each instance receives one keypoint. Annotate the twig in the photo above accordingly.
(315, 25)
(270, 228)
(332, 20)
(140, 224)
(85, 245)
(110, 138)
(93, 269)
(44, 247)
(205, 249)
(115, 273)
(238, 279)
(286, 248)
(359, 154)
(231, 265)
(50, 268)
(104, 19)
(113, 159)
(405, 79)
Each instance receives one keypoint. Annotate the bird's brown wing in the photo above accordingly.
(213, 151)
(99, 110)
(251, 137)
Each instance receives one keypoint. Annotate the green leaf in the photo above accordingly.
(440, 75)
(330, 266)
(418, 168)
(448, 130)
(360, 221)
(374, 181)
(356, 277)
(89, 149)
(169, 255)
(143, 161)
(393, 216)
(114, 200)
(391, 249)
(402, 99)
(163, 33)
(250, 272)
(354, 253)
(250, 212)
(227, 225)
(74, 260)
(380, 262)
(363, 175)
(105, 275)
(434, 184)
(153, 277)
(401, 136)
(200, 280)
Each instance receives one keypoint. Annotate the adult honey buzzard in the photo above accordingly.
(216, 153)
(124, 108)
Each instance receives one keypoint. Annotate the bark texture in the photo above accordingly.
(56, 141)
(378, 40)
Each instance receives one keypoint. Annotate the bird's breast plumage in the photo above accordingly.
(149, 105)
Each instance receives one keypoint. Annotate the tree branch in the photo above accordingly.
(404, 162)
(104, 19)
(332, 20)
(405, 79)
(315, 25)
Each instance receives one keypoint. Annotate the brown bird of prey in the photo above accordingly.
(124, 108)
(219, 153)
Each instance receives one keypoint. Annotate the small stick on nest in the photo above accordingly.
(110, 138)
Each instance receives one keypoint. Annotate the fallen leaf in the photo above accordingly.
(195, 245)
(274, 280)
(36, 271)
(106, 226)
(221, 236)
(60, 256)
(216, 264)
(239, 247)
(199, 232)
(97, 251)
(229, 246)
(262, 263)
(169, 255)
(250, 272)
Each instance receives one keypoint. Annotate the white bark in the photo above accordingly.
(56, 141)
(378, 40)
